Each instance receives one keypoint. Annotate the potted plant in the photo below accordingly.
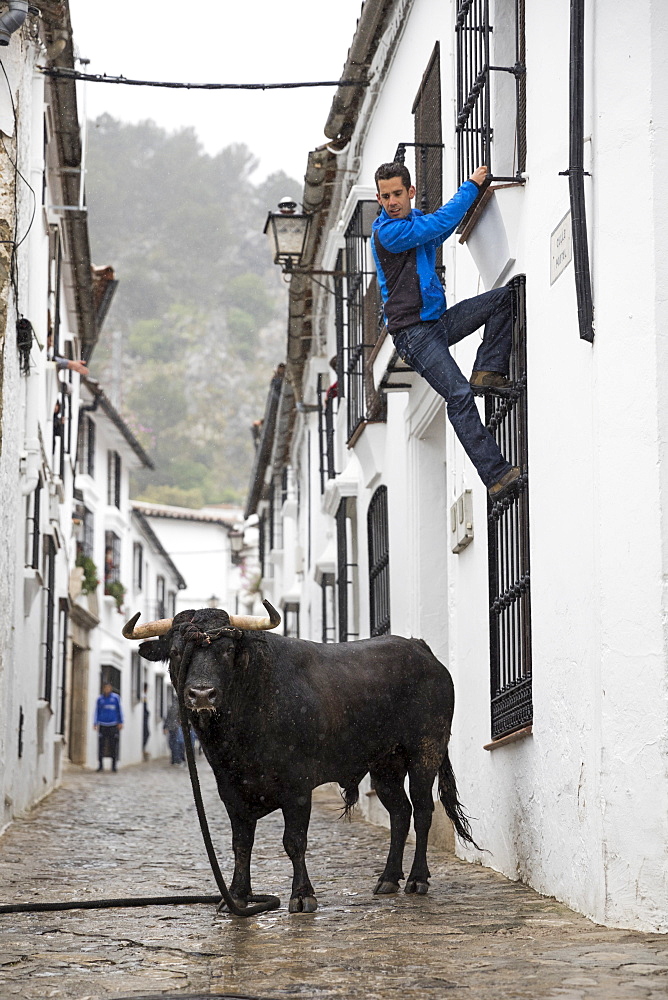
(90, 578)
(117, 591)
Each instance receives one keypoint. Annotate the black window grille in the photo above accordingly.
(112, 560)
(136, 675)
(429, 137)
(62, 432)
(86, 446)
(276, 513)
(340, 325)
(49, 616)
(113, 479)
(291, 619)
(346, 566)
(110, 675)
(508, 549)
(327, 585)
(262, 543)
(33, 505)
(379, 563)
(327, 407)
(86, 545)
(363, 314)
(55, 268)
(161, 609)
(61, 684)
(482, 89)
(159, 697)
(137, 567)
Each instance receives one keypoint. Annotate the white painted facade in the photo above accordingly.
(36, 465)
(202, 545)
(578, 808)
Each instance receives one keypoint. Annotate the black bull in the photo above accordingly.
(277, 717)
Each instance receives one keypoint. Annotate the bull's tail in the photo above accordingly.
(350, 798)
(447, 790)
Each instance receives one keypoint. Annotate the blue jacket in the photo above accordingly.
(405, 254)
(108, 711)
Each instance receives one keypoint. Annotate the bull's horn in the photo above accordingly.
(256, 622)
(148, 630)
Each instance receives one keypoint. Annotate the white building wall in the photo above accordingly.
(32, 727)
(578, 809)
(202, 552)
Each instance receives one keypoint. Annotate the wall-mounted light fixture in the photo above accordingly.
(288, 231)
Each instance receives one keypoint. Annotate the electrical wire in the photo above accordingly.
(16, 243)
(61, 73)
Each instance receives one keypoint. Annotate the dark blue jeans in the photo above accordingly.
(426, 348)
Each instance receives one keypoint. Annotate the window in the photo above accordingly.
(379, 563)
(33, 504)
(508, 550)
(291, 619)
(55, 266)
(327, 407)
(49, 615)
(160, 597)
(113, 479)
(363, 320)
(61, 690)
(275, 514)
(429, 137)
(86, 542)
(86, 446)
(137, 567)
(171, 603)
(159, 697)
(112, 560)
(346, 563)
(491, 85)
(328, 604)
(110, 675)
(262, 543)
(136, 677)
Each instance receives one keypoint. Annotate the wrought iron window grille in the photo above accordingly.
(327, 408)
(474, 130)
(345, 571)
(379, 563)
(361, 326)
(328, 585)
(508, 548)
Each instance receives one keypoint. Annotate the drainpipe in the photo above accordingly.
(12, 19)
(576, 173)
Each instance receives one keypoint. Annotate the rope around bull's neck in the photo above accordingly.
(261, 903)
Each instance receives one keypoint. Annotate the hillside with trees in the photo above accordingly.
(197, 325)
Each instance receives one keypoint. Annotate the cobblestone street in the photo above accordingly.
(476, 935)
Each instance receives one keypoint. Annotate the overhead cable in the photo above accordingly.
(61, 73)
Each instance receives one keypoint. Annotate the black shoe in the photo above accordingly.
(507, 485)
(113, 767)
(100, 768)
(491, 384)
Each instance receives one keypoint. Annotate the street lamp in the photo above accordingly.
(287, 230)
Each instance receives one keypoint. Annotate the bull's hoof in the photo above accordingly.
(385, 888)
(413, 886)
(224, 908)
(303, 904)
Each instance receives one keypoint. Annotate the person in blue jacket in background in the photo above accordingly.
(108, 722)
(404, 243)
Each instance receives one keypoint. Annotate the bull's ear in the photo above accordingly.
(155, 649)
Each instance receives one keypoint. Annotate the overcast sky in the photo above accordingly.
(219, 41)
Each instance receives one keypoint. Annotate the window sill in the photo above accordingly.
(474, 214)
(510, 738)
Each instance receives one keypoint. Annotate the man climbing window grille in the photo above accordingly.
(404, 242)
